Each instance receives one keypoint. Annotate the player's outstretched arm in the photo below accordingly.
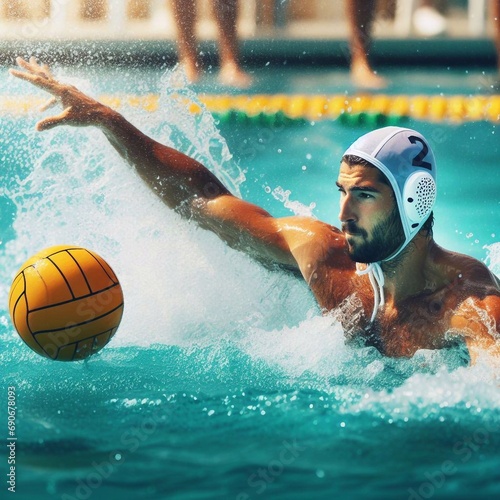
(174, 176)
(183, 183)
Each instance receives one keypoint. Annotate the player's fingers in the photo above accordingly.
(33, 67)
(39, 81)
(22, 63)
(30, 65)
(48, 104)
(53, 121)
(46, 70)
(23, 75)
(33, 62)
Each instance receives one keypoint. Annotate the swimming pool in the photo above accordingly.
(224, 380)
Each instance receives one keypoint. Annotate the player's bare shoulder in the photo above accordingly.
(316, 244)
(468, 276)
(476, 293)
(323, 259)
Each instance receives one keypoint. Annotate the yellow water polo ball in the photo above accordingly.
(66, 303)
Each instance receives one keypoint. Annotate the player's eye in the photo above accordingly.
(365, 195)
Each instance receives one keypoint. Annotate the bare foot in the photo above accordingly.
(363, 76)
(232, 75)
(192, 70)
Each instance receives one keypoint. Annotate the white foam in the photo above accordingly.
(493, 258)
(181, 284)
(295, 206)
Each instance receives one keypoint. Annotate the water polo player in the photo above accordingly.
(382, 273)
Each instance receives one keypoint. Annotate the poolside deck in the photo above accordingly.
(311, 34)
(455, 52)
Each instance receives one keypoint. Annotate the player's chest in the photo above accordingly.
(397, 332)
(396, 338)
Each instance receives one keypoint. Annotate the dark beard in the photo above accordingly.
(387, 237)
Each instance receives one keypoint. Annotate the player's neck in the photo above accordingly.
(408, 274)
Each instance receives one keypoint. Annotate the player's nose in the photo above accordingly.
(347, 211)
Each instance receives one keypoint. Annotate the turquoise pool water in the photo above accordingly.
(224, 381)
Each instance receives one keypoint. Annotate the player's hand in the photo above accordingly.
(78, 108)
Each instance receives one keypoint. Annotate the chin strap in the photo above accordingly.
(376, 275)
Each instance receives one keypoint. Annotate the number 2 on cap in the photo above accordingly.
(418, 160)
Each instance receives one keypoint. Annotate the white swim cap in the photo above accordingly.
(406, 159)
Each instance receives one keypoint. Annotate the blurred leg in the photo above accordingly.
(360, 14)
(495, 9)
(185, 19)
(226, 14)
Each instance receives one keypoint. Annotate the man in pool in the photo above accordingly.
(382, 273)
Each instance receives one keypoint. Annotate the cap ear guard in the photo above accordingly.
(419, 195)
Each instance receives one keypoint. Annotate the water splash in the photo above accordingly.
(296, 207)
(493, 258)
(196, 134)
(182, 286)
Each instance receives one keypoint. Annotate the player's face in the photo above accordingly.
(369, 214)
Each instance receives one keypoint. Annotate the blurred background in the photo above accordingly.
(153, 19)
(265, 27)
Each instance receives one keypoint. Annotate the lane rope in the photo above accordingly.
(261, 108)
